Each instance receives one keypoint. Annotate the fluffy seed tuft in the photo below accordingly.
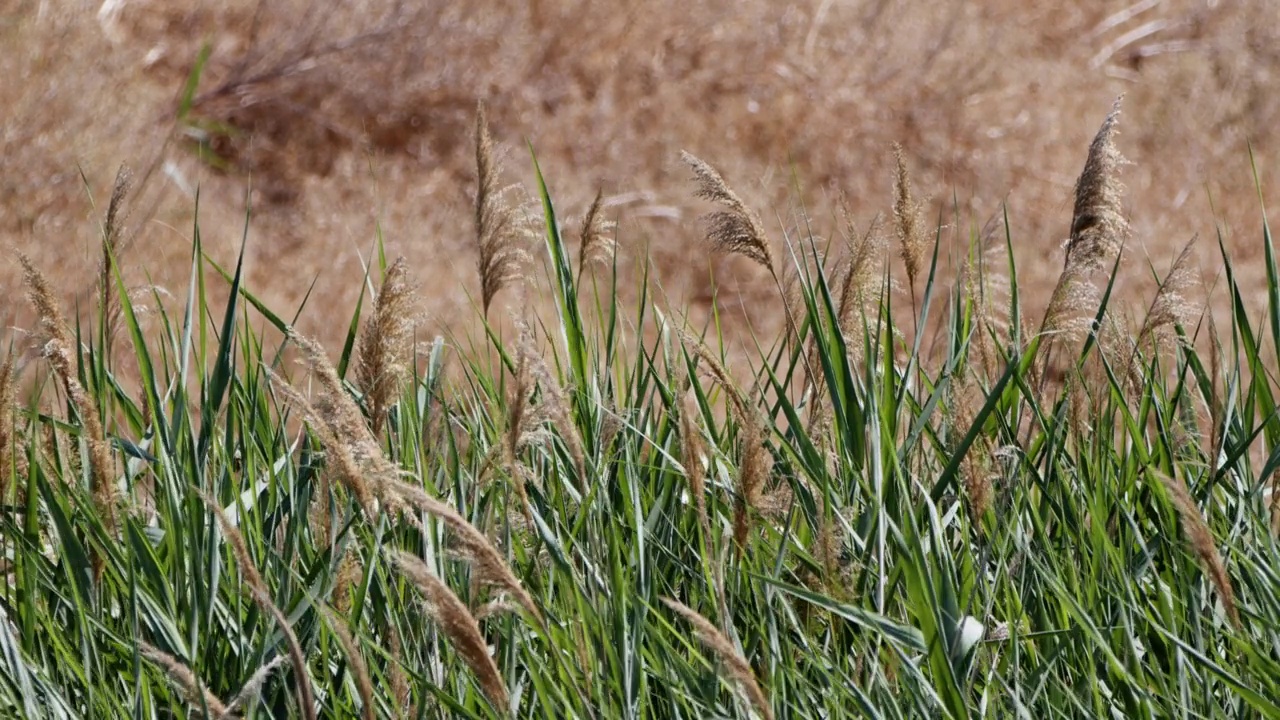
(1201, 540)
(500, 235)
(736, 229)
(737, 666)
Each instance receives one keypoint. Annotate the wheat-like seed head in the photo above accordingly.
(907, 213)
(478, 550)
(58, 351)
(249, 692)
(737, 666)
(691, 451)
(195, 691)
(386, 344)
(754, 464)
(355, 660)
(596, 245)
(458, 625)
(1201, 540)
(736, 229)
(1171, 306)
(499, 233)
(553, 406)
(1098, 225)
(108, 304)
(261, 595)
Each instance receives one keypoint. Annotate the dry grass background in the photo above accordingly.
(353, 116)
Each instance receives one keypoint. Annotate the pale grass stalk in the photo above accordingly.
(486, 562)
(195, 692)
(1200, 538)
(58, 350)
(458, 625)
(261, 595)
(249, 692)
(737, 667)
(355, 659)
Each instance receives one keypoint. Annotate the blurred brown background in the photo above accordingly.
(346, 117)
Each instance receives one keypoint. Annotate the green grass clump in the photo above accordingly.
(602, 517)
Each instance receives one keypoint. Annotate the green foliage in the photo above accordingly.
(867, 587)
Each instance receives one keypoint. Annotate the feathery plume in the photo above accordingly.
(498, 231)
(458, 625)
(596, 246)
(1201, 540)
(1171, 306)
(355, 660)
(974, 468)
(691, 450)
(108, 305)
(553, 406)
(192, 689)
(1098, 232)
(382, 361)
(907, 215)
(252, 687)
(58, 351)
(737, 666)
(262, 597)
(860, 278)
(486, 562)
(11, 458)
(737, 229)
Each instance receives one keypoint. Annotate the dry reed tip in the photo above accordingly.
(499, 234)
(385, 347)
(1098, 225)
(737, 667)
(261, 595)
(355, 659)
(907, 212)
(736, 229)
(1200, 538)
(596, 245)
(458, 625)
(193, 690)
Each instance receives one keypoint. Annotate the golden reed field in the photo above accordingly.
(339, 119)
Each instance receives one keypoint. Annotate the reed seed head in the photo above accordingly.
(458, 625)
(500, 235)
(355, 660)
(737, 667)
(193, 690)
(1200, 538)
(909, 223)
(736, 229)
(385, 348)
(596, 245)
(1098, 226)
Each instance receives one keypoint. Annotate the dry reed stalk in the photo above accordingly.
(499, 234)
(1201, 540)
(108, 304)
(355, 660)
(909, 224)
(737, 666)
(459, 626)
(386, 344)
(338, 454)
(486, 562)
(1098, 232)
(1170, 307)
(252, 687)
(193, 690)
(596, 246)
(58, 351)
(736, 229)
(261, 595)
(691, 451)
(11, 458)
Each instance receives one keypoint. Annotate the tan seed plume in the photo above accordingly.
(193, 690)
(386, 344)
(108, 305)
(691, 450)
(58, 351)
(499, 234)
(249, 692)
(1201, 540)
(11, 457)
(736, 229)
(355, 659)
(737, 666)
(459, 626)
(1098, 232)
(596, 245)
(262, 597)
(486, 561)
(907, 213)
